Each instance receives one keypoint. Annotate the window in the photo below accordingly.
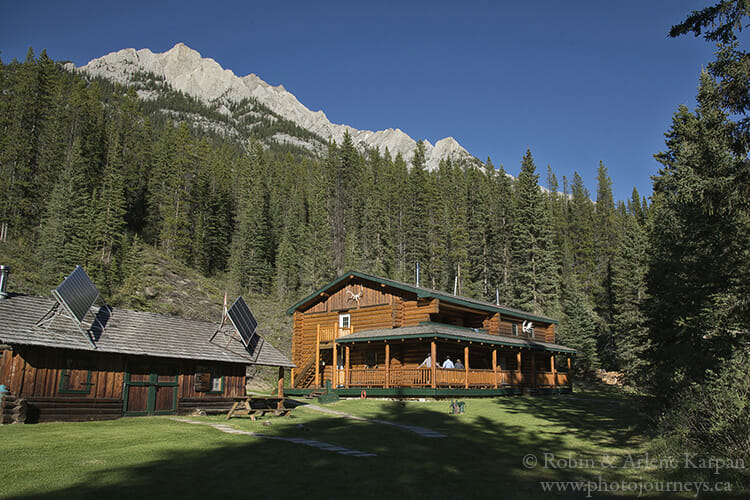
(209, 380)
(515, 329)
(217, 382)
(74, 378)
(344, 321)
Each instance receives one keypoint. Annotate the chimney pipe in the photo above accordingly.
(4, 271)
(417, 274)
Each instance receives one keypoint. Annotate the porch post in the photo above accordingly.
(280, 404)
(554, 370)
(520, 373)
(346, 369)
(335, 366)
(533, 370)
(433, 369)
(494, 365)
(570, 374)
(466, 367)
(387, 364)
(317, 357)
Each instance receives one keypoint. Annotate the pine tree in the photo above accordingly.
(606, 242)
(250, 261)
(581, 232)
(65, 227)
(107, 220)
(629, 297)
(577, 328)
(415, 224)
(317, 254)
(699, 275)
(535, 273)
(317, 248)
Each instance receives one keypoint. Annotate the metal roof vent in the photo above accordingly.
(4, 271)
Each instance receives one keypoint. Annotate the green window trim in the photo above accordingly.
(61, 389)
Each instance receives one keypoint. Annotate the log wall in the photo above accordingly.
(35, 374)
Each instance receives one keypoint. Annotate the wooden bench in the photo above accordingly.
(252, 405)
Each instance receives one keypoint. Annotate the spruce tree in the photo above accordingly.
(250, 261)
(535, 273)
(65, 226)
(577, 328)
(698, 271)
(415, 224)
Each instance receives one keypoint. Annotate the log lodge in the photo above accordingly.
(141, 363)
(372, 336)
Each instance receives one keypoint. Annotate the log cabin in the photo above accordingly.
(375, 336)
(140, 363)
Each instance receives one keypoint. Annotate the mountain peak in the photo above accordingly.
(203, 78)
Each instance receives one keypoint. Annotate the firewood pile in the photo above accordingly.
(13, 410)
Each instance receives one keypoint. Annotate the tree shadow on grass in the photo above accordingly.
(479, 458)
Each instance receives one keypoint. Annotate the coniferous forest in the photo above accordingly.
(655, 286)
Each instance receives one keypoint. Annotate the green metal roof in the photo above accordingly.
(426, 293)
(450, 332)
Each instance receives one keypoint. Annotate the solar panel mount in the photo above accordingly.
(74, 298)
(244, 324)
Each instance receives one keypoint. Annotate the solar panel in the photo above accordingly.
(244, 322)
(77, 293)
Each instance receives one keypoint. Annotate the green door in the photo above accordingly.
(150, 389)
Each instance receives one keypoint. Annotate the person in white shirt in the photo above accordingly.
(427, 363)
(448, 363)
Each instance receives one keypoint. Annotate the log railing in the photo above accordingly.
(481, 378)
(545, 379)
(327, 333)
(367, 377)
(507, 378)
(409, 377)
(332, 332)
(450, 377)
(456, 378)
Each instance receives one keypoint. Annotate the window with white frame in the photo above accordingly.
(345, 321)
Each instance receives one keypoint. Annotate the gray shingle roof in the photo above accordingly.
(130, 332)
(452, 333)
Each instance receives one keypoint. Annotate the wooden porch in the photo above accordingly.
(450, 378)
(395, 364)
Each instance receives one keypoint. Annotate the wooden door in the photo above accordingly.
(150, 389)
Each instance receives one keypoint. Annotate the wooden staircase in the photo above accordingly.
(306, 374)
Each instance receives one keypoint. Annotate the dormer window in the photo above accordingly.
(515, 329)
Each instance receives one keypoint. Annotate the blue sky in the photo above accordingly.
(577, 82)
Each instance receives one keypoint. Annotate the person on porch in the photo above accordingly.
(448, 363)
(459, 365)
(427, 363)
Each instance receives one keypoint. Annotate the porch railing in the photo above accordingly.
(550, 379)
(367, 377)
(409, 377)
(456, 378)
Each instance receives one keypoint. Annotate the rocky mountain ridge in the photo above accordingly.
(185, 70)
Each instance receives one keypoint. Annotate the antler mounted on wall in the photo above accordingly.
(355, 296)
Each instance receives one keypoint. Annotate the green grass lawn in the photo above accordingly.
(482, 454)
